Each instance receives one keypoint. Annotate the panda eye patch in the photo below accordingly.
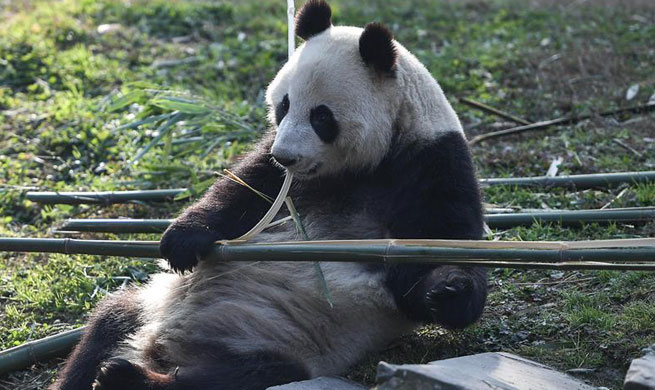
(282, 109)
(322, 120)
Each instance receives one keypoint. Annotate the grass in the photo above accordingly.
(69, 93)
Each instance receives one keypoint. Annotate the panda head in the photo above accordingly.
(335, 101)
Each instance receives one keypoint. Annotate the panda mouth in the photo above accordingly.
(311, 171)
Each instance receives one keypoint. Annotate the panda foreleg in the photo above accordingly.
(226, 211)
(253, 372)
(451, 296)
(113, 320)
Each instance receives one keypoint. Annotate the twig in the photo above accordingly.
(561, 121)
(617, 197)
(627, 147)
(556, 282)
(495, 111)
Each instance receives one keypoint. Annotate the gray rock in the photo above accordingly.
(321, 383)
(641, 374)
(485, 371)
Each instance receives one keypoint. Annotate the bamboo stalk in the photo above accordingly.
(575, 181)
(495, 221)
(571, 181)
(106, 197)
(32, 352)
(72, 246)
(607, 254)
(560, 121)
(117, 225)
(494, 111)
(570, 217)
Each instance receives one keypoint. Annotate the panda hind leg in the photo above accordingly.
(253, 372)
(116, 317)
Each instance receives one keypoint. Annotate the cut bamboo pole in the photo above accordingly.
(633, 254)
(494, 111)
(118, 225)
(560, 121)
(572, 218)
(571, 181)
(574, 181)
(32, 352)
(72, 246)
(106, 197)
(495, 221)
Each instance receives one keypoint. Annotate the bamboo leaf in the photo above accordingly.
(126, 99)
(181, 105)
(151, 119)
(163, 130)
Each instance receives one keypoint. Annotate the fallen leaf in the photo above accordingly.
(632, 92)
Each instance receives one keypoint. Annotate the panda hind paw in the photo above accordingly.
(119, 374)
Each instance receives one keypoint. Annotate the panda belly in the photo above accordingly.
(277, 307)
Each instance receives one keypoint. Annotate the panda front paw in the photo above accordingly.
(182, 247)
(454, 299)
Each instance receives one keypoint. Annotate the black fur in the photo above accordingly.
(425, 190)
(281, 109)
(313, 18)
(323, 123)
(377, 49)
(115, 318)
(225, 372)
(227, 210)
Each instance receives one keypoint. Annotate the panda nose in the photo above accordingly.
(285, 160)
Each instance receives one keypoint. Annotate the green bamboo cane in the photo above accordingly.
(579, 182)
(569, 217)
(106, 197)
(72, 246)
(118, 225)
(642, 258)
(571, 181)
(495, 221)
(32, 352)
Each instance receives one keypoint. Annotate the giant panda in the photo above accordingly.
(376, 152)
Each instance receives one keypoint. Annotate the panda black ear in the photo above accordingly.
(376, 47)
(314, 17)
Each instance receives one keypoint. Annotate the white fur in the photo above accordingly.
(329, 70)
(266, 306)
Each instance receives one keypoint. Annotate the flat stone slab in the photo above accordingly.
(641, 374)
(485, 371)
(321, 383)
